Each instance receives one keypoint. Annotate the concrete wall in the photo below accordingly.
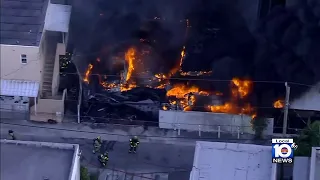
(11, 66)
(301, 168)
(47, 109)
(75, 168)
(209, 122)
(315, 164)
(61, 50)
(42, 56)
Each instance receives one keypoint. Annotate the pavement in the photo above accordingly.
(155, 156)
(160, 151)
(120, 132)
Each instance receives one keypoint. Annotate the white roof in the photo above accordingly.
(315, 164)
(309, 100)
(225, 161)
(57, 18)
(19, 88)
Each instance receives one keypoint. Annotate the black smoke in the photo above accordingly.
(284, 47)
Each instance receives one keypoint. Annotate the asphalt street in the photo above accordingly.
(151, 157)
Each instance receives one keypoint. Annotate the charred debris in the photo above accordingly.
(140, 61)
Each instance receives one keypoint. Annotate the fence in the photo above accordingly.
(208, 122)
(120, 129)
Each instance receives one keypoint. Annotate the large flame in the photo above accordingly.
(180, 94)
(130, 57)
(278, 104)
(177, 67)
(185, 95)
(240, 89)
(87, 74)
(180, 91)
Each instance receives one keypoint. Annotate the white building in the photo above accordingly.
(33, 35)
(307, 168)
(30, 160)
(226, 161)
(315, 164)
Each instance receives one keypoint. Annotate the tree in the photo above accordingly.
(309, 137)
(84, 174)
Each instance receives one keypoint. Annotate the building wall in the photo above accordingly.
(301, 168)
(11, 66)
(48, 109)
(315, 164)
(209, 122)
(75, 169)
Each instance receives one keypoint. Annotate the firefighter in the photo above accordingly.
(11, 135)
(134, 142)
(103, 158)
(97, 143)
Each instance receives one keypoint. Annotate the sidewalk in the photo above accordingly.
(111, 132)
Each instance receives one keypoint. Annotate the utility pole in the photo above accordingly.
(286, 109)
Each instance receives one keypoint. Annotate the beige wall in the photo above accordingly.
(47, 109)
(11, 66)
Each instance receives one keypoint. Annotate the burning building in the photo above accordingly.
(198, 54)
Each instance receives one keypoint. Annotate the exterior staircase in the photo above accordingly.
(47, 78)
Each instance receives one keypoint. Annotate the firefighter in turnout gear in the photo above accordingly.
(134, 142)
(103, 158)
(97, 143)
(11, 135)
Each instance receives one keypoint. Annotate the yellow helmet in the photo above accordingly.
(98, 137)
(135, 137)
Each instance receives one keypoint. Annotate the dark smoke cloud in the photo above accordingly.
(288, 48)
(112, 26)
(285, 46)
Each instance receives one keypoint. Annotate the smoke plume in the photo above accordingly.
(284, 47)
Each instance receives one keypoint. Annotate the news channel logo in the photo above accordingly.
(282, 150)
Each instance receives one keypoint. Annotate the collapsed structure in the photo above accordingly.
(153, 59)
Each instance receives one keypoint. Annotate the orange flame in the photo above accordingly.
(130, 57)
(185, 95)
(278, 104)
(240, 89)
(177, 68)
(87, 74)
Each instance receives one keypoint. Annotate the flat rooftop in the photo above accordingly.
(225, 161)
(31, 161)
(315, 162)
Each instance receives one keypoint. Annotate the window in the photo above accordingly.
(23, 59)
